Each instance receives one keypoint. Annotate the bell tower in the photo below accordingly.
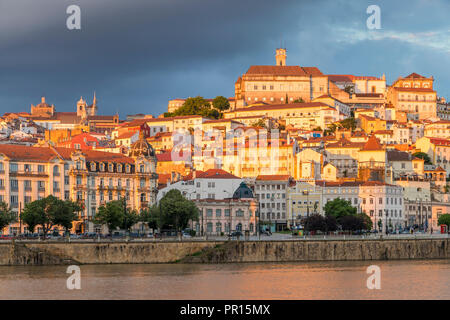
(280, 57)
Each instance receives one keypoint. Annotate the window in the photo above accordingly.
(209, 212)
(79, 180)
(66, 180)
(13, 167)
(110, 167)
(239, 213)
(227, 212)
(143, 197)
(141, 168)
(218, 212)
(14, 184)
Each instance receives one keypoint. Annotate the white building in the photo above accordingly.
(211, 184)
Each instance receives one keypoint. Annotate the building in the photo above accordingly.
(222, 216)
(211, 184)
(280, 83)
(271, 193)
(414, 95)
(90, 177)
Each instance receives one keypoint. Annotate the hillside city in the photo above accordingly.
(288, 142)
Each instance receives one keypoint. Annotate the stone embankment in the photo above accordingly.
(53, 253)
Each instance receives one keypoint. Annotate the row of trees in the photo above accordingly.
(338, 213)
(202, 107)
(173, 212)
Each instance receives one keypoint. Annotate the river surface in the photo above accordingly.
(412, 279)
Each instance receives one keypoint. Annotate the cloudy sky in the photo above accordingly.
(138, 54)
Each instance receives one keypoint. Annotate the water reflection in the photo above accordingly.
(314, 280)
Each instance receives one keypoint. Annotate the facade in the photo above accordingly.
(211, 184)
(222, 216)
(90, 177)
(281, 83)
(271, 191)
(414, 94)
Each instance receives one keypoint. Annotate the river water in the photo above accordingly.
(416, 279)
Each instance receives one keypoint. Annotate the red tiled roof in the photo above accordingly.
(216, 174)
(414, 76)
(44, 154)
(273, 177)
(283, 106)
(372, 144)
(277, 70)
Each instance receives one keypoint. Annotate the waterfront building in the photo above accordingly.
(222, 216)
(211, 184)
(303, 199)
(89, 177)
(271, 191)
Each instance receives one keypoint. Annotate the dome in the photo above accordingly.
(141, 148)
(243, 192)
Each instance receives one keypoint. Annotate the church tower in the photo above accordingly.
(81, 108)
(280, 57)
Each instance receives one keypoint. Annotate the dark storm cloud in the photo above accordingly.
(138, 54)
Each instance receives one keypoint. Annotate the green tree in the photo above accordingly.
(195, 106)
(111, 214)
(299, 100)
(7, 216)
(221, 103)
(424, 156)
(130, 218)
(348, 123)
(260, 123)
(177, 211)
(339, 208)
(444, 219)
(49, 212)
(151, 217)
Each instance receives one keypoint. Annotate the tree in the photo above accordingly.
(130, 218)
(352, 223)
(366, 221)
(444, 219)
(7, 216)
(151, 216)
(195, 106)
(177, 211)
(221, 103)
(339, 208)
(315, 222)
(260, 123)
(111, 214)
(299, 100)
(331, 223)
(348, 123)
(49, 212)
(424, 156)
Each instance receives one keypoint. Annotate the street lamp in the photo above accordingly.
(375, 199)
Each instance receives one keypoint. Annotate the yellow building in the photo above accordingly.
(414, 94)
(89, 177)
(281, 83)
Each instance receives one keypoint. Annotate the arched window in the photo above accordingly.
(239, 227)
(110, 167)
(143, 197)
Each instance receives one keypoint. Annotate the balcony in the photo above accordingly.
(14, 205)
(56, 174)
(56, 190)
(41, 189)
(28, 189)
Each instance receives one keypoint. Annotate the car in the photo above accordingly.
(235, 234)
(186, 235)
(5, 237)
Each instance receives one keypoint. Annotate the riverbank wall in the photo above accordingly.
(56, 253)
